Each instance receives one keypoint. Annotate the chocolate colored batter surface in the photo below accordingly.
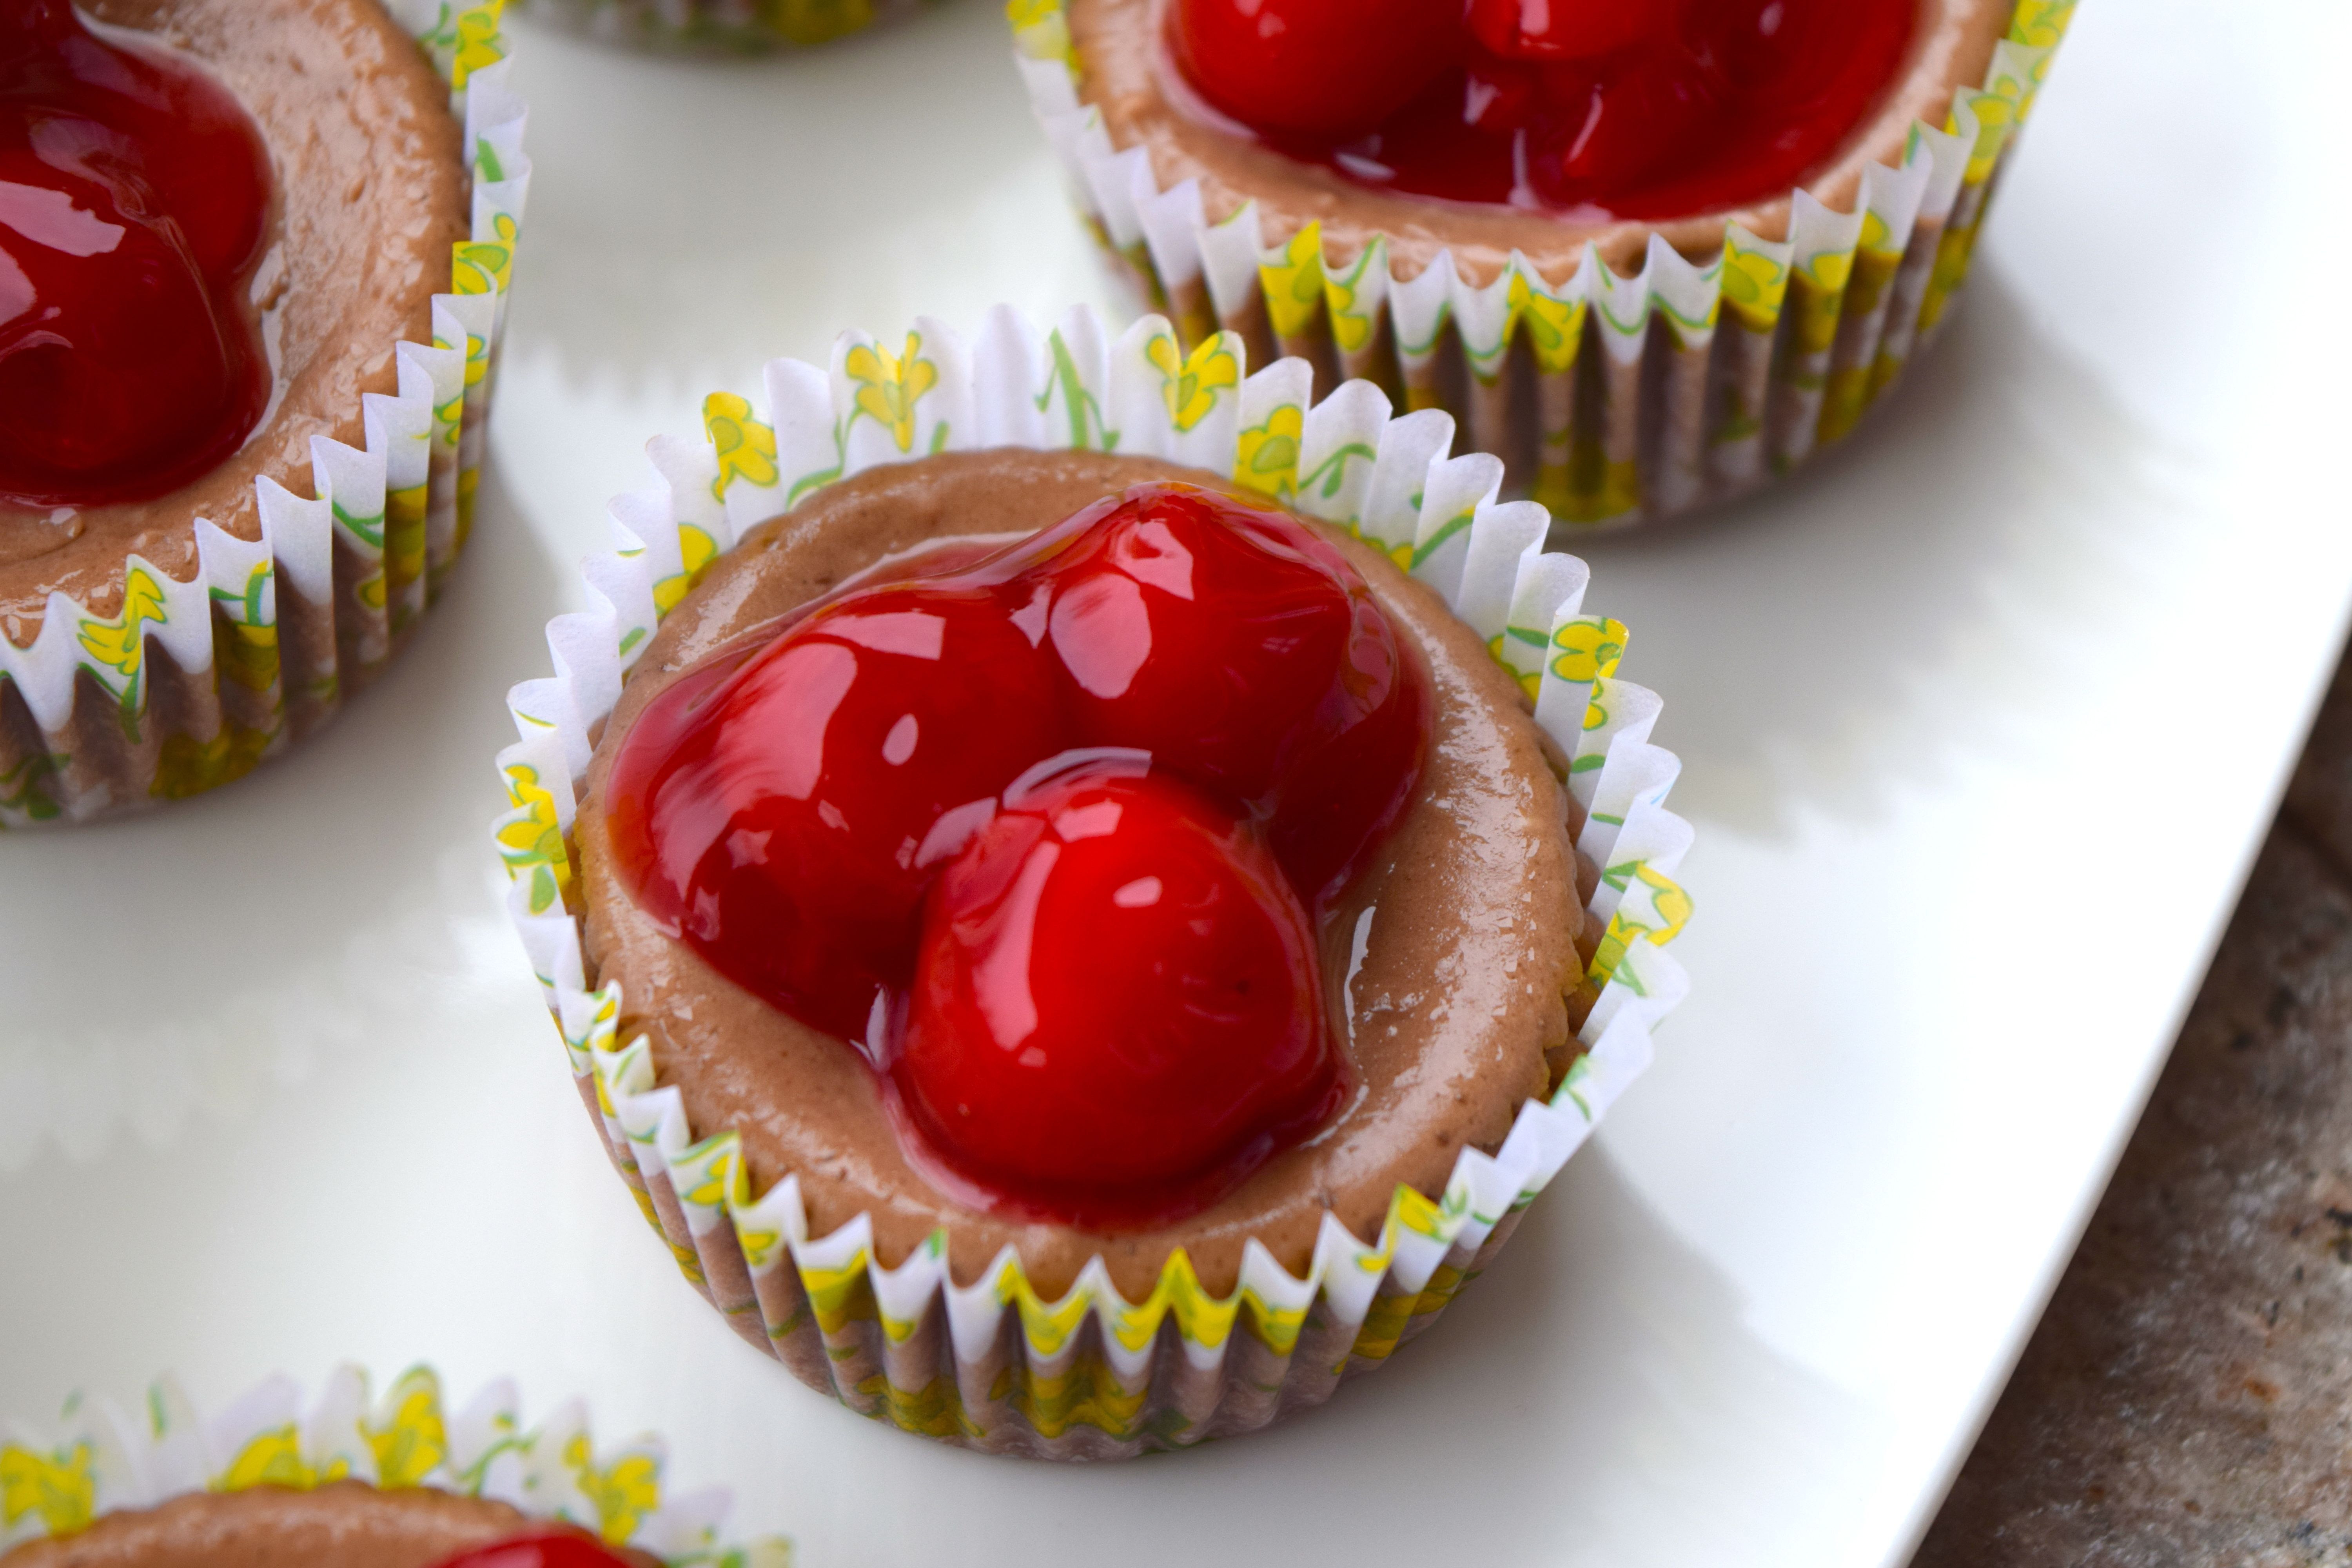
(346, 1524)
(1124, 71)
(1472, 944)
(372, 194)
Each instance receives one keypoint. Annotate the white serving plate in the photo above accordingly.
(1982, 720)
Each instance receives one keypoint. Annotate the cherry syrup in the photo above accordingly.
(1631, 109)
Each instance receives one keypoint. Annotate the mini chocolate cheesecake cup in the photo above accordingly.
(1017, 1343)
(719, 26)
(399, 1481)
(1625, 372)
(154, 650)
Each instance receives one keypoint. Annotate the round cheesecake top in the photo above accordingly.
(1453, 965)
(370, 195)
(345, 1524)
(1125, 71)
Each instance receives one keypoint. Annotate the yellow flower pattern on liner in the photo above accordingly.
(888, 386)
(745, 446)
(1755, 281)
(1192, 381)
(1266, 459)
(530, 840)
(1292, 275)
(1041, 31)
(55, 1490)
(1587, 648)
(1352, 323)
(1555, 322)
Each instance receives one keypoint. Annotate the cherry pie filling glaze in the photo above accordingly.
(1644, 109)
(1046, 830)
(135, 196)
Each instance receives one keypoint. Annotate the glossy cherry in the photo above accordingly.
(1345, 790)
(1116, 996)
(786, 816)
(1331, 68)
(134, 200)
(1639, 109)
(1244, 654)
(549, 1549)
(1610, 128)
(1202, 631)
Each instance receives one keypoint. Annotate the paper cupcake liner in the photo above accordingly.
(1613, 398)
(190, 684)
(719, 26)
(98, 1458)
(992, 1364)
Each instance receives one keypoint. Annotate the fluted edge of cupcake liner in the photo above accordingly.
(992, 1363)
(97, 1459)
(1615, 398)
(717, 27)
(192, 683)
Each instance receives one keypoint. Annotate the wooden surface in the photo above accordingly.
(2188, 1397)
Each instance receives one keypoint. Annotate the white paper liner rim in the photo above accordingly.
(98, 1458)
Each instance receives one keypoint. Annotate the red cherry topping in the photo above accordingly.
(1117, 990)
(551, 1549)
(1207, 633)
(134, 196)
(1340, 796)
(1565, 29)
(1244, 653)
(868, 818)
(1327, 67)
(786, 818)
(1641, 108)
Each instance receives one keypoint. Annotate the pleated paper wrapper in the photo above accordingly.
(990, 1364)
(98, 1458)
(1614, 397)
(719, 26)
(192, 683)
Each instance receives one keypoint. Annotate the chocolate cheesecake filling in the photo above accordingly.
(1124, 71)
(345, 1524)
(371, 195)
(1453, 965)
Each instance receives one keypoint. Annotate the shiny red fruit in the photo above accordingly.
(1239, 649)
(1637, 108)
(1345, 791)
(1497, 96)
(786, 816)
(135, 198)
(1329, 68)
(552, 1549)
(1566, 29)
(1607, 130)
(1199, 630)
(1116, 996)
